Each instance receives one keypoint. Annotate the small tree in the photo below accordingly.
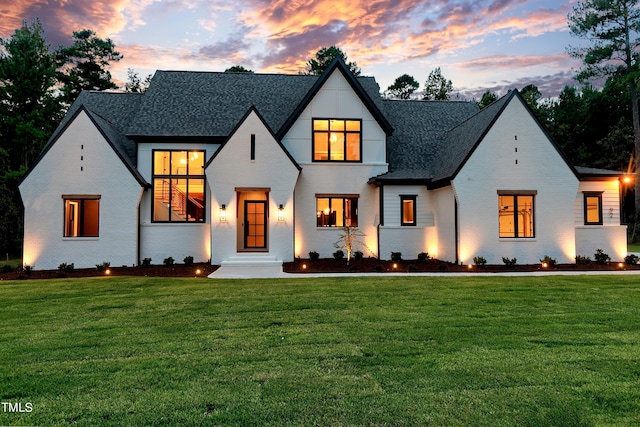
(348, 240)
(325, 56)
(437, 86)
(403, 87)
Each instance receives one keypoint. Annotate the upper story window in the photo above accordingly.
(337, 140)
(593, 208)
(178, 186)
(516, 214)
(81, 216)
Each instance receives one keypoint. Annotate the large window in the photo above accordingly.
(178, 186)
(408, 210)
(336, 211)
(593, 208)
(337, 140)
(81, 216)
(516, 215)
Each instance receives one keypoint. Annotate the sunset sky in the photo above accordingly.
(479, 44)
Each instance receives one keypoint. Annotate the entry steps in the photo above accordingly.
(249, 265)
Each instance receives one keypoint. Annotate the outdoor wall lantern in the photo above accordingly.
(223, 213)
(281, 212)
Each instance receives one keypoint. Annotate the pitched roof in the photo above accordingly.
(419, 130)
(211, 104)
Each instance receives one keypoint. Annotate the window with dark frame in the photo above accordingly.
(336, 211)
(516, 215)
(337, 140)
(408, 210)
(81, 216)
(593, 208)
(178, 186)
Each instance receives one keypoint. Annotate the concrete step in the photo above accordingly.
(252, 259)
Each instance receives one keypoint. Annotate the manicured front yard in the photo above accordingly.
(484, 351)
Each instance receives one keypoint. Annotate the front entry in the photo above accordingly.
(253, 219)
(255, 224)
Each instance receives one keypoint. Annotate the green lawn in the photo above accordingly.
(487, 351)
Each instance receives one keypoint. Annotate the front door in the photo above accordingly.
(255, 224)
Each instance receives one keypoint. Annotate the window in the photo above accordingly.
(178, 186)
(337, 140)
(81, 216)
(593, 208)
(516, 215)
(408, 210)
(336, 211)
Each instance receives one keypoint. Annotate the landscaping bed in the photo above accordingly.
(176, 270)
(373, 265)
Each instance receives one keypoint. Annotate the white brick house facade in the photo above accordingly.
(217, 165)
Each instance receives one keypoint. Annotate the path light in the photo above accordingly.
(223, 213)
(107, 272)
(395, 265)
(198, 272)
(545, 265)
(304, 266)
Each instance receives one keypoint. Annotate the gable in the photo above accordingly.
(113, 139)
(251, 154)
(80, 159)
(462, 141)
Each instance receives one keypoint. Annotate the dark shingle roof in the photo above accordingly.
(180, 103)
(419, 130)
(460, 141)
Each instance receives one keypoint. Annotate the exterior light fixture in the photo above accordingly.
(545, 265)
(304, 266)
(107, 272)
(198, 272)
(281, 212)
(223, 213)
(627, 179)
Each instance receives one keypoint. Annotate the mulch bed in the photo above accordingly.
(177, 270)
(302, 266)
(373, 265)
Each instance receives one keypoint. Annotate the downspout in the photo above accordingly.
(381, 222)
(138, 226)
(456, 231)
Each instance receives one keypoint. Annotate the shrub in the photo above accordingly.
(168, 261)
(314, 256)
(601, 257)
(548, 260)
(412, 267)
(396, 256)
(28, 268)
(6, 268)
(146, 262)
(67, 268)
(338, 255)
(478, 260)
(358, 255)
(631, 259)
(188, 260)
(423, 256)
(509, 261)
(583, 260)
(103, 266)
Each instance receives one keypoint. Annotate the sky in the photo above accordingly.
(479, 45)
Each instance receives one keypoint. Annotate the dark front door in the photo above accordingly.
(255, 224)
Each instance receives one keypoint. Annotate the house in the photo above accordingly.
(235, 169)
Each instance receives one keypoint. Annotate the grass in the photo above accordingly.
(633, 247)
(482, 351)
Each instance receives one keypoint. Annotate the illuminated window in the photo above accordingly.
(408, 210)
(81, 216)
(178, 186)
(593, 208)
(516, 215)
(337, 140)
(336, 211)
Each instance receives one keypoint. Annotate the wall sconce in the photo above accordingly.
(281, 212)
(223, 213)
